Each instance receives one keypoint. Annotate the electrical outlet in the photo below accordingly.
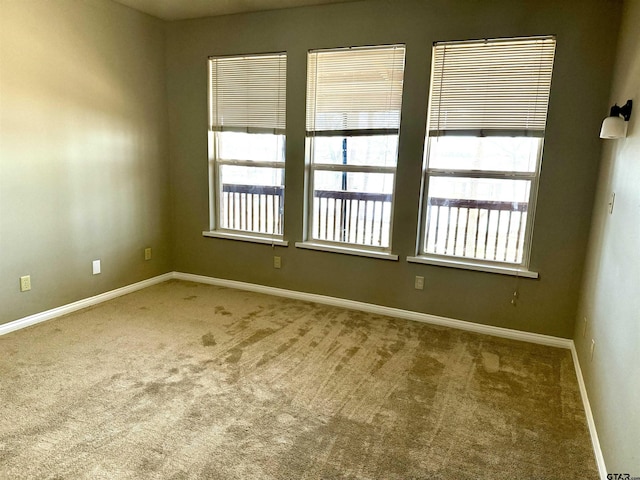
(96, 267)
(419, 283)
(277, 262)
(147, 253)
(593, 346)
(584, 327)
(25, 283)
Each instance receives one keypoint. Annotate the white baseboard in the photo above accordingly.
(281, 292)
(336, 302)
(431, 319)
(589, 415)
(381, 310)
(80, 304)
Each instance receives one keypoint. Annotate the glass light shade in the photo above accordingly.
(613, 127)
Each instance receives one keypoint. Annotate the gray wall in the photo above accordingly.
(84, 171)
(610, 297)
(83, 150)
(586, 33)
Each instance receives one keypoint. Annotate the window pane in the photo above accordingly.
(251, 199)
(258, 147)
(378, 150)
(505, 154)
(352, 207)
(477, 218)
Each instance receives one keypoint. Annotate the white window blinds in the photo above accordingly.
(491, 87)
(355, 91)
(248, 93)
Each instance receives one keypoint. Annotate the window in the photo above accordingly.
(247, 99)
(486, 123)
(354, 97)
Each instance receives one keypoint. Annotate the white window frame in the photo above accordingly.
(215, 183)
(330, 167)
(496, 266)
(343, 246)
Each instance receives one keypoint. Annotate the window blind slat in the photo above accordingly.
(248, 94)
(491, 85)
(355, 88)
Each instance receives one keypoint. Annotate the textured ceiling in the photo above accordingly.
(181, 9)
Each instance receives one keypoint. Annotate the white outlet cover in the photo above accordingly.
(96, 267)
(25, 283)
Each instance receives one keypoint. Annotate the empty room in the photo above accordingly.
(319, 239)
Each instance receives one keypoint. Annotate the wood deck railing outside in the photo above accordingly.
(464, 228)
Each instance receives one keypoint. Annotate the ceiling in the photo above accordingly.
(182, 9)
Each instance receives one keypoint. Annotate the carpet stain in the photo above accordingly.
(235, 354)
(190, 297)
(253, 314)
(149, 465)
(346, 357)
(208, 340)
(282, 348)
(255, 338)
(165, 390)
(153, 388)
(292, 390)
(196, 368)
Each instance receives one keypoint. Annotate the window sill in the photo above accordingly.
(347, 250)
(516, 272)
(246, 238)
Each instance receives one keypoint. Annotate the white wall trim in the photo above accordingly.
(309, 297)
(467, 265)
(430, 319)
(381, 310)
(80, 304)
(589, 414)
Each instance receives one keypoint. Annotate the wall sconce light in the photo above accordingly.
(615, 125)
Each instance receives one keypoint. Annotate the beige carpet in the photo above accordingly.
(182, 381)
